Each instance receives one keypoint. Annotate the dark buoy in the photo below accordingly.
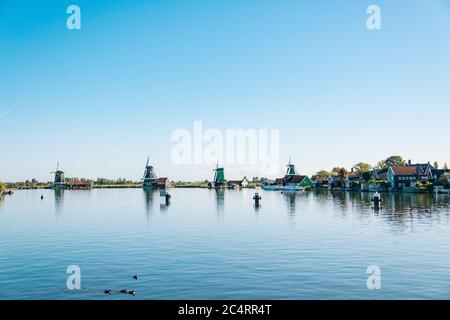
(257, 199)
(135, 277)
(165, 196)
(108, 291)
(377, 201)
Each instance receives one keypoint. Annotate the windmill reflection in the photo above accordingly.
(220, 200)
(291, 201)
(59, 200)
(148, 196)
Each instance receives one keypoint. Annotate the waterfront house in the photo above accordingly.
(320, 182)
(150, 180)
(334, 182)
(404, 177)
(291, 180)
(162, 183)
(79, 184)
(298, 180)
(237, 184)
(353, 180)
(375, 181)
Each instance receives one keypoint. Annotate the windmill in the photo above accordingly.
(149, 179)
(290, 171)
(59, 176)
(219, 176)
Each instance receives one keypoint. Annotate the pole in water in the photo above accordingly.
(377, 201)
(257, 199)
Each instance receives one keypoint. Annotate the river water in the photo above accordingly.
(210, 244)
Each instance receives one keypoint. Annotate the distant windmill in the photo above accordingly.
(59, 176)
(219, 176)
(149, 179)
(290, 169)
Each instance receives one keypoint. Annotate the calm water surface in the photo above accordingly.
(215, 245)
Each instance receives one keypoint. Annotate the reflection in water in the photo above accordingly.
(290, 198)
(148, 194)
(59, 200)
(327, 232)
(220, 200)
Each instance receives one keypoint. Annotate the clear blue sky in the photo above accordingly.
(102, 98)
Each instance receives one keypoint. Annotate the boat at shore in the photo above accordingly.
(271, 187)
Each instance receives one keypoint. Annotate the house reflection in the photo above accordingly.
(291, 201)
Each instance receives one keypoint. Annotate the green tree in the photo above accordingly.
(436, 165)
(2, 186)
(362, 167)
(336, 170)
(322, 174)
(392, 161)
(444, 180)
(342, 173)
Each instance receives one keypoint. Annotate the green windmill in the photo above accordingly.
(290, 169)
(219, 177)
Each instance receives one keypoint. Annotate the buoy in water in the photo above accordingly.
(108, 291)
(257, 199)
(132, 292)
(377, 200)
(135, 277)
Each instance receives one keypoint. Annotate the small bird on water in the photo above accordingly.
(135, 277)
(108, 291)
(42, 197)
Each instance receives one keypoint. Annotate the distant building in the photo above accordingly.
(79, 184)
(400, 177)
(353, 180)
(334, 181)
(233, 184)
(292, 179)
(150, 180)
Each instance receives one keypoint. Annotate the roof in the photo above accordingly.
(294, 178)
(161, 180)
(424, 166)
(334, 178)
(353, 175)
(407, 171)
(79, 182)
(383, 175)
(279, 180)
(319, 179)
(235, 181)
